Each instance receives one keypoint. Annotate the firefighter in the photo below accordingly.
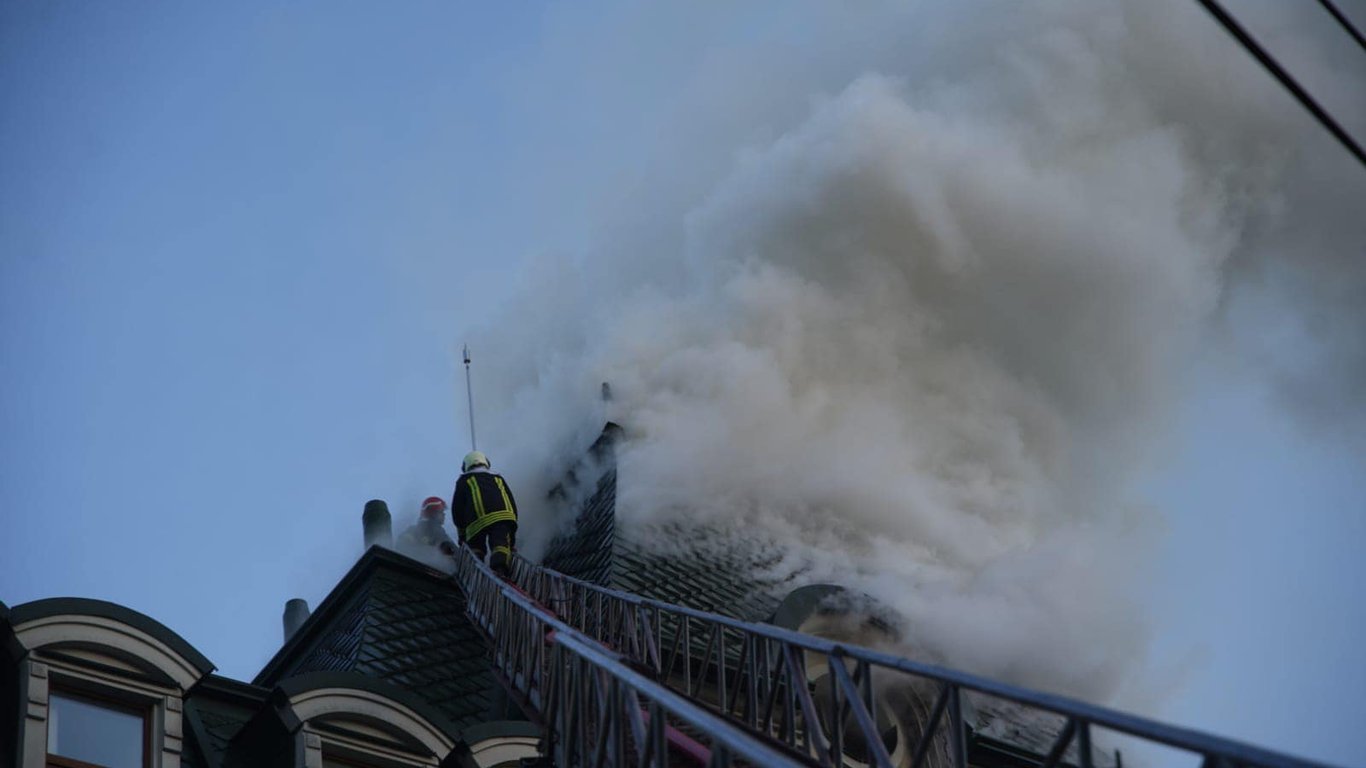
(429, 530)
(485, 513)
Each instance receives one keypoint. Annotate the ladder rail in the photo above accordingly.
(654, 634)
(594, 707)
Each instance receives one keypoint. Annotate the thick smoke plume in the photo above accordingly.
(927, 327)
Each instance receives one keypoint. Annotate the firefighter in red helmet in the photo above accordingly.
(429, 530)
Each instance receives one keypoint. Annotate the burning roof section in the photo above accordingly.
(699, 567)
(708, 570)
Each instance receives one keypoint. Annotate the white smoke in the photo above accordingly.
(930, 332)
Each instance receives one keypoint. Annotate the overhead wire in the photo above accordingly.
(1269, 62)
(1344, 22)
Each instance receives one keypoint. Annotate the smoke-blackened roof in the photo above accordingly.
(699, 567)
(692, 572)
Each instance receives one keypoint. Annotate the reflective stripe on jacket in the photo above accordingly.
(481, 499)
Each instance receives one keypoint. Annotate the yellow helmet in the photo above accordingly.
(474, 459)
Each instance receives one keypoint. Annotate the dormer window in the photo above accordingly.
(100, 686)
(84, 733)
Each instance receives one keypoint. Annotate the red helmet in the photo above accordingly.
(433, 507)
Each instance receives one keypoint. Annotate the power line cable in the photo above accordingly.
(1272, 66)
(1344, 21)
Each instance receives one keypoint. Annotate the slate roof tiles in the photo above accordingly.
(404, 624)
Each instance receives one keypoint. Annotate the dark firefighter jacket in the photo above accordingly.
(481, 499)
(424, 532)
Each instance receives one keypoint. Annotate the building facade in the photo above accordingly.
(386, 673)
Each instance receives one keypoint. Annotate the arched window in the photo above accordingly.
(502, 743)
(101, 685)
(349, 720)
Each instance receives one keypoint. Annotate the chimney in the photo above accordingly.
(296, 613)
(378, 528)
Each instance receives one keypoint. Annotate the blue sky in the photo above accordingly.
(226, 235)
(1259, 580)
(241, 245)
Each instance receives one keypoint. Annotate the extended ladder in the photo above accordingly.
(594, 707)
(615, 678)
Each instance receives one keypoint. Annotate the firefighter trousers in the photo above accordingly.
(494, 545)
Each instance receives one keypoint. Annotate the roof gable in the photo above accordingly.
(394, 619)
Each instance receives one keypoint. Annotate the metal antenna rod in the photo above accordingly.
(469, 393)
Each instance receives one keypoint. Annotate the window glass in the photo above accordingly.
(95, 734)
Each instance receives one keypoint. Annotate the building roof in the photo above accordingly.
(392, 628)
(396, 620)
(215, 712)
(700, 568)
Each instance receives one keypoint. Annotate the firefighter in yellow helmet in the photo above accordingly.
(485, 513)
